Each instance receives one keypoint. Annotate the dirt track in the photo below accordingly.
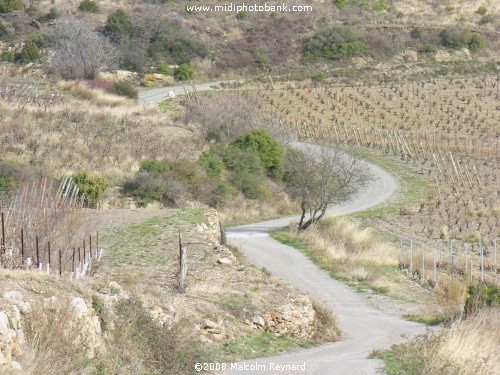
(365, 326)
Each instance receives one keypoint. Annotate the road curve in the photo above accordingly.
(364, 326)
(157, 95)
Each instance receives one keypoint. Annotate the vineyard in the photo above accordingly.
(445, 132)
(44, 229)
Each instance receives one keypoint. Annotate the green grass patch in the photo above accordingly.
(432, 321)
(413, 190)
(171, 108)
(257, 344)
(287, 237)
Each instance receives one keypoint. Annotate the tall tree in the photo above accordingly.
(319, 176)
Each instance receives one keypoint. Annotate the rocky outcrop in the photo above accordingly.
(11, 330)
(294, 319)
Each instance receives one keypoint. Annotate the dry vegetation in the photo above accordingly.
(88, 130)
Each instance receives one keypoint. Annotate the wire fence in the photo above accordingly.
(476, 260)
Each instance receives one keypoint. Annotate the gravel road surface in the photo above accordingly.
(364, 326)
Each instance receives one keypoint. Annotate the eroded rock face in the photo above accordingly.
(11, 332)
(294, 319)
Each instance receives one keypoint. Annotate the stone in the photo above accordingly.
(16, 366)
(79, 307)
(5, 335)
(14, 296)
(225, 261)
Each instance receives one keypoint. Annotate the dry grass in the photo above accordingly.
(90, 130)
(468, 347)
(344, 243)
(473, 344)
(53, 341)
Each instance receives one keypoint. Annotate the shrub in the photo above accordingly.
(7, 55)
(241, 15)
(156, 167)
(247, 170)
(340, 3)
(481, 10)
(480, 296)
(93, 187)
(416, 32)
(7, 6)
(30, 52)
(183, 72)
(266, 147)
(212, 162)
(487, 19)
(476, 43)
(261, 58)
(333, 44)
(125, 88)
(50, 16)
(427, 48)
(456, 37)
(164, 69)
(88, 6)
(5, 28)
(168, 182)
(119, 25)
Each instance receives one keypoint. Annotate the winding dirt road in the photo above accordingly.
(157, 95)
(364, 326)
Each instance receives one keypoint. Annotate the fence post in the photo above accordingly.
(482, 263)
(465, 253)
(411, 256)
(452, 276)
(439, 247)
(495, 254)
(48, 250)
(60, 263)
(470, 269)
(434, 263)
(3, 230)
(402, 252)
(423, 262)
(37, 254)
(22, 246)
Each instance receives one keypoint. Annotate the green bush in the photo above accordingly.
(427, 48)
(487, 19)
(212, 163)
(168, 182)
(480, 296)
(125, 88)
(481, 10)
(333, 44)
(88, 6)
(7, 6)
(119, 25)
(183, 72)
(261, 58)
(476, 43)
(93, 187)
(457, 37)
(241, 15)
(7, 55)
(340, 3)
(5, 28)
(266, 147)
(164, 69)
(50, 16)
(30, 52)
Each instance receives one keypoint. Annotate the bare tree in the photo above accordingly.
(222, 117)
(319, 176)
(80, 51)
